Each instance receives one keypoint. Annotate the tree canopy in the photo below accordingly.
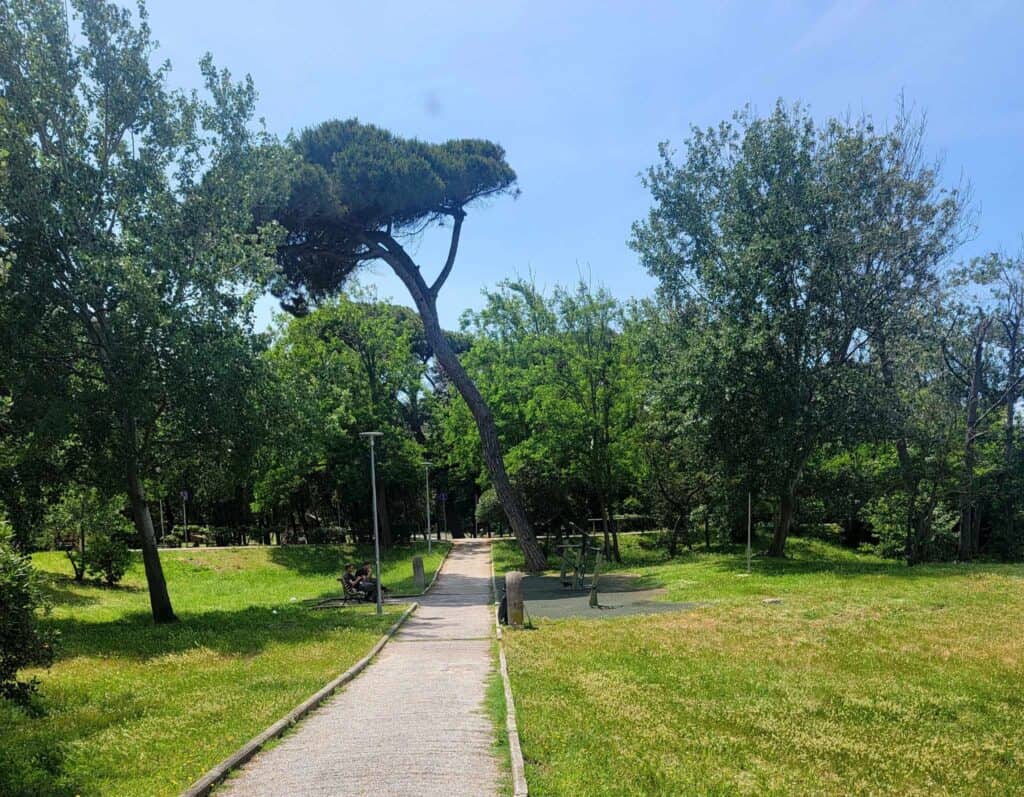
(357, 180)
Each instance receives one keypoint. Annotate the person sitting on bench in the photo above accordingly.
(354, 585)
(365, 576)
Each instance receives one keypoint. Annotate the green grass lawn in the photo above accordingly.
(137, 709)
(869, 678)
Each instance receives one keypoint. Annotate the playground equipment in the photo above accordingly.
(579, 559)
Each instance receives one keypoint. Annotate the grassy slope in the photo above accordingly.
(134, 709)
(869, 678)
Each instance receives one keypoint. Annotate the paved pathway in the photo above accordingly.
(413, 722)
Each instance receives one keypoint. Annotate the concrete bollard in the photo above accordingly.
(417, 573)
(514, 597)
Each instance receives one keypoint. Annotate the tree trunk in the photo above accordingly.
(672, 539)
(968, 498)
(707, 527)
(606, 529)
(159, 599)
(1009, 454)
(783, 520)
(915, 519)
(409, 273)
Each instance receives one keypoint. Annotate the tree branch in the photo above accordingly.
(452, 251)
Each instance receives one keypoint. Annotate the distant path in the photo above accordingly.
(413, 723)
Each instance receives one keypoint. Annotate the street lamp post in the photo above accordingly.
(376, 535)
(426, 470)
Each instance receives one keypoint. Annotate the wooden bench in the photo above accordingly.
(352, 595)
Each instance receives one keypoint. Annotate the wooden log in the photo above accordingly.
(514, 597)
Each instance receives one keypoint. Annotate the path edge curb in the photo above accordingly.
(515, 749)
(219, 772)
(433, 578)
(437, 572)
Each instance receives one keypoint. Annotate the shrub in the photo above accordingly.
(22, 641)
(108, 557)
(489, 511)
(84, 517)
(325, 535)
(887, 516)
(172, 540)
(221, 535)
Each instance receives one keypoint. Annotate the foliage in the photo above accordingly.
(488, 510)
(108, 557)
(360, 191)
(23, 641)
(787, 250)
(356, 179)
(84, 517)
(560, 372)
(887, 515)
(127, 211)
(347, 367)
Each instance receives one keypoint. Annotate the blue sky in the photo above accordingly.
(580, 93)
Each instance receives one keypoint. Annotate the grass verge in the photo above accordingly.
(868, 678)
(497, 710)
(136, 709)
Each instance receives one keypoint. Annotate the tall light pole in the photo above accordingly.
(426, 471)
(376, 534)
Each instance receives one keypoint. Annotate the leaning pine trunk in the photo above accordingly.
(407, 271)
(159, 599)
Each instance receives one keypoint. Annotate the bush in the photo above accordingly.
(108, 557)
(221, 535)
(172, 540)
(22, 641)
(84, 511)
(325, 535)
(489, 511)
(887, 516)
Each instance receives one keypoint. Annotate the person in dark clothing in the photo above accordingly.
(365, 576)
(350, 578)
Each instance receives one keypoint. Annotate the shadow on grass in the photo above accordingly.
(315, 560)
(320, 560)
(61, 590)
(245, 632)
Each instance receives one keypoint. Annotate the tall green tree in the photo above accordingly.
(562, 371)
(360, 191)
(799, 244)
(347, 366)
(128, 215)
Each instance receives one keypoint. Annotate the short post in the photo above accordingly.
(417, 573)
(514, 597)
(593, 583)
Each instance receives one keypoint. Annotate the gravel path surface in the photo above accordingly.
(413, 722)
